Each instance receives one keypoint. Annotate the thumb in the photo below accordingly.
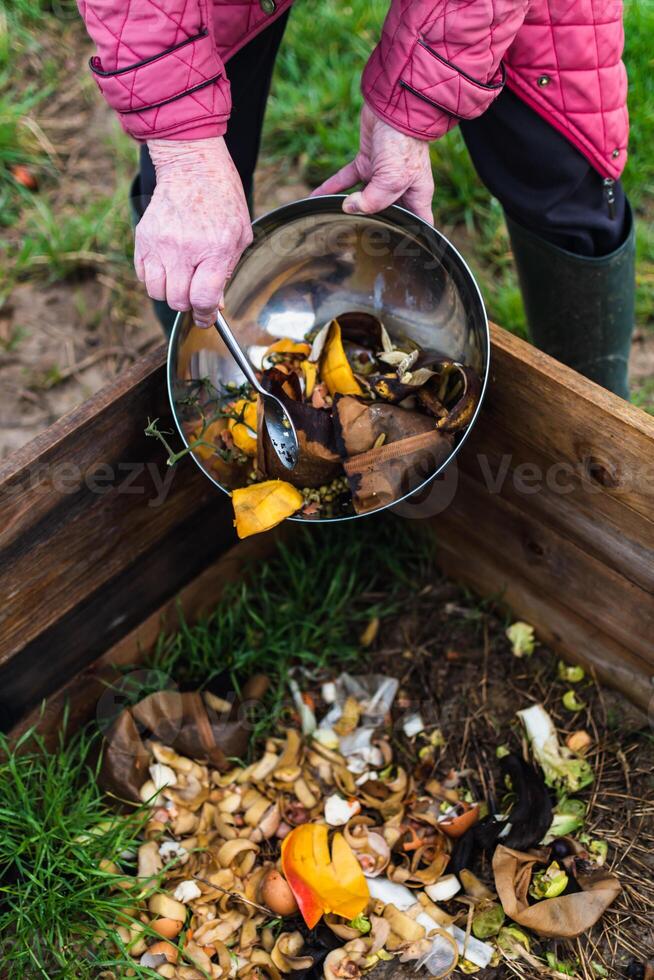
(375, 197)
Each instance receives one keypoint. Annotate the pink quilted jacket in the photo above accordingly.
(160, 64)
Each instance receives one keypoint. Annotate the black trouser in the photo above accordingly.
(542, 181)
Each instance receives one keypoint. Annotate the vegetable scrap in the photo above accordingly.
(339, 848)
(264, 505)
(560, 765)
(375, 417)
(522, 639)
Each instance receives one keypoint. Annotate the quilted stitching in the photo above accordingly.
(576, 43)
(588, 95)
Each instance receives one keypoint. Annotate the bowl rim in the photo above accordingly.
(332, 203)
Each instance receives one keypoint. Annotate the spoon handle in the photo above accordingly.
(235, 350)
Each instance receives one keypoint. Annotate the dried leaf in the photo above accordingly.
(559, 918)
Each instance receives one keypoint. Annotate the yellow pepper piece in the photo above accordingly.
(335, 370)
(288, 346)
(321, 882)
(264, 505)
(244, 433)
(310, 372)
(211, 435)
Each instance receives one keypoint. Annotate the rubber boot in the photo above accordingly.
(580, 310)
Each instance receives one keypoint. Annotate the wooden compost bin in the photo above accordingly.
(552, 512)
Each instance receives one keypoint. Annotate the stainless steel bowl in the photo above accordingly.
(309, 262)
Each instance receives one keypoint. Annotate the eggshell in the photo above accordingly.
(457, 826)
(167, 949)
(167, 928)
(166, 907)
(276, 895)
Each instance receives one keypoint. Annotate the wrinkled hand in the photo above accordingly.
(394, 167)
(194, 229)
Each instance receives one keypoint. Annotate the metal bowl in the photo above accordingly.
(309, 262)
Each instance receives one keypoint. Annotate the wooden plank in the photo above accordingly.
(555, 564)
(574, 638)
(96, 533)
(34, 671)
(574, 507)
(30, 476)
(606, 440)
(579, 564)
(86, 560)
(84, 692)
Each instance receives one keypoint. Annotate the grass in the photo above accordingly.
(302, 610)
(643, 396)
(56, 901)
(639, 175)
(639, 57)
(71, 240)
(20, 139)
(52, 234)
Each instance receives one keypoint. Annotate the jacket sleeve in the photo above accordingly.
(440, 61)
(156, 64)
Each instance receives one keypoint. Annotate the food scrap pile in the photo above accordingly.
(375, 417)
(342, 847)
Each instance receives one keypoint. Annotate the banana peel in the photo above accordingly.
(460, 414)
(321, 882)
(287, 346)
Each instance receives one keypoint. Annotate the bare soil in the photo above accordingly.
(456, 667)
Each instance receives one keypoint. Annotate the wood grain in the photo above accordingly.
(554, 512)
(84, 692)
(90, 543)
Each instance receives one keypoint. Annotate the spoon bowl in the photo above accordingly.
(278, 422)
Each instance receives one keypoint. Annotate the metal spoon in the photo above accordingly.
(278, 422)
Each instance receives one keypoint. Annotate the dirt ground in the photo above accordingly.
(456, 667)
(61, 341)
(54, 354)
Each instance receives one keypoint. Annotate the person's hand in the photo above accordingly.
(194, 229)
(394, 167)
